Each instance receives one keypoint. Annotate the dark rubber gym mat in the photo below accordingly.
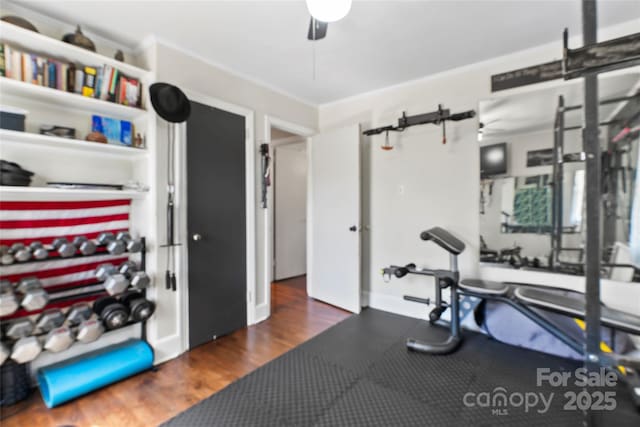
(360, 373)
(362, 339)
(369, 404)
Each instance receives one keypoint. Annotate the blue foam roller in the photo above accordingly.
(67, 380)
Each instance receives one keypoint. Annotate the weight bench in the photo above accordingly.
(444, 279)
(522, 297)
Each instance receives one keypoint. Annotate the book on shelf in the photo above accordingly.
(101, 82)
(89, 86)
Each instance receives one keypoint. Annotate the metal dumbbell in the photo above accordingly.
(64, 248)
(112, 312)
(38, 250)
(128, 268)
(84, 245)
(49, 319)
(18, 328)
(113, 245)
(139, 307)
(105, 270)
(58, 337)
(89, 329)
(34, 296)
(20, 252)
(132, 245)
(140, 280)
(114, 282)
(8, 300)
(78, 313)
(26, 348)
(137, 279)
(5, 257)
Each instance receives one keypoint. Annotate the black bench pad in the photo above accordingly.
(575, 306)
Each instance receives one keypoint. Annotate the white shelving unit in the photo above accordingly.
(74, 101)
(76, 160)
(47, 46)
(72, 160)
(34, 140)
(51, 193)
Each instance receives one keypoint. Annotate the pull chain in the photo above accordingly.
(313, 49)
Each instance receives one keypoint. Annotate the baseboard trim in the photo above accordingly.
(166, 348)
(395, 304)
(261, 313)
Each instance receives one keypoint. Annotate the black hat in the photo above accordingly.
(170, 102)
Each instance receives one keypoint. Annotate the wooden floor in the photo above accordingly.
(153, 397)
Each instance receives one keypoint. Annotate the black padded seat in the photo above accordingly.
(484, 287)
(444, 239)
(576, 307)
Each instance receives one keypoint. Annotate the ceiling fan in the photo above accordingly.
(322, 12)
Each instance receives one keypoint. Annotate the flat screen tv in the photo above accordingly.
(493, 160)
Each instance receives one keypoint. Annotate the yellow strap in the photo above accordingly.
(603, 345)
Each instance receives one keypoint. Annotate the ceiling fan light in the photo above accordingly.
(328, 10)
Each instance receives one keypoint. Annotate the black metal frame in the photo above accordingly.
(438, 117)
(594, 57)
(559, 159)
(591, 147)
(444, 279)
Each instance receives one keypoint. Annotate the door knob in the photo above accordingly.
(197, 237)
(353, 228)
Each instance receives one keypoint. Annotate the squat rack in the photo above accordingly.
(559, 159)
(592, 60)
(586, 62)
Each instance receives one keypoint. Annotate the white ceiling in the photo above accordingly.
(380, 43)
(535, 111)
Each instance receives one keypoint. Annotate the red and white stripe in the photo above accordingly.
(24, 222)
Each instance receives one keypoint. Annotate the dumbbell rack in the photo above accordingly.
(89, 296)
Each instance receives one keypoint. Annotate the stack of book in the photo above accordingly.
(106, 83)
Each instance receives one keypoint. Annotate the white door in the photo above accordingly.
(333, 270)
(290, 167)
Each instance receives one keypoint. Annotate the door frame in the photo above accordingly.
(250, 209)
(275, 144)
(263, 311)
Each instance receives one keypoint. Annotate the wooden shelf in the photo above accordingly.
(70, 100)
(37, 140)
(41, 193)
(33, 42)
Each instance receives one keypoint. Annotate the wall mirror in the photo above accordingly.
(532, 184)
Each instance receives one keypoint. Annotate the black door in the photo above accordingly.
(216, 223)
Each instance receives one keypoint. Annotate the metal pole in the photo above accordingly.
(559, 180)
(591, 146)
(554, 191)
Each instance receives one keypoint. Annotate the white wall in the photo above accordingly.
(197, 75)
(423, 183)
(290, 210)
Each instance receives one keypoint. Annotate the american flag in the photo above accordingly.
(44, 221)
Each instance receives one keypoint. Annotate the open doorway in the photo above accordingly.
(289, 176)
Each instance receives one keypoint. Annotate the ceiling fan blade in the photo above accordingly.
(320, 30)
